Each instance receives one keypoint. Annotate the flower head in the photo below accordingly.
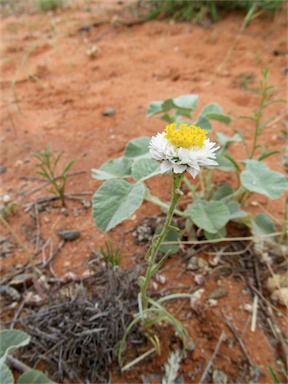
(183, 147)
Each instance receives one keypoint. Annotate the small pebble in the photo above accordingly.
(108, 112)
(194, 301)
(202, 263)
(280, 296)
(219, 377)
(69, 235)
(248, 307)
(75, 212)
(160, 279)
(199, 279)
(193, 264)
(6, 199)
(3, 169)
(22, 279)
(218, 293)
(212, 302)
(86, 203)
(64, 211)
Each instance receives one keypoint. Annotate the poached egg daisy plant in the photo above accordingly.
(183, 147)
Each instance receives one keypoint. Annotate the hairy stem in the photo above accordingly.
(158, 239)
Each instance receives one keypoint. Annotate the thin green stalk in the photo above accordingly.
(158, 239)
(284, 225)
(266, 93)
(202, 184)
(192, 188)
(239, 191)
(155, 200)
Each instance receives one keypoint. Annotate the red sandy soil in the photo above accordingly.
(54, 92)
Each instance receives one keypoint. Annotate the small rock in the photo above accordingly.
(69, 235)
(218, 293)
(160, 279)
(3, 169)
(64, 211)
(87, 273)
(69, 276)
(194, 301)
(75, 212)
(277, 281)
(193, 264)
(199, 279)
(203, 264)
(248, 307)
(93, 51)
(22, 279)
(212, 302)
(219, 377)
(108, 112)
(32, 298)
(280, 296)
(154, 285)
(10, 292)
(86, 203)
(6, 199)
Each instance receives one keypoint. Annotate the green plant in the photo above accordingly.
(183, 147)
(273, 375)
(49, 5)
(11, 340)
(212, 206)
(7, 208)
(199, 11)
(112, 256)
(47, 164)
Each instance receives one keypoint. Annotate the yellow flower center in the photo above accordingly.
(185, 136)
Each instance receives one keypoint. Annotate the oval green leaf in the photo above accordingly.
(6, 376)
(33, 377)
(211, 108)
(259, 178)
(137, 148)
(211, 216)
(143, 169)
(235, 211)
(115, 201)
(154, 108)
(262, 225)
(225, 140)
(222, 192)
(172, 235)
(216, 236)
(225, 119)
(186, 102)
(11, 339)
(203, 123)
(225, 163)
(114, 169)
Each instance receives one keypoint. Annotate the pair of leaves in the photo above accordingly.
(213, 215)
(9, 341)
(257, 177)
(184, 106)
(117, 199)
(136, 163)
(210, 216)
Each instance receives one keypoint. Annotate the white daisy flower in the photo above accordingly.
(183, 147)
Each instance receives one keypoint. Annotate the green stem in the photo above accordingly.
(155, 200)
(202, 184)
(158, 239)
